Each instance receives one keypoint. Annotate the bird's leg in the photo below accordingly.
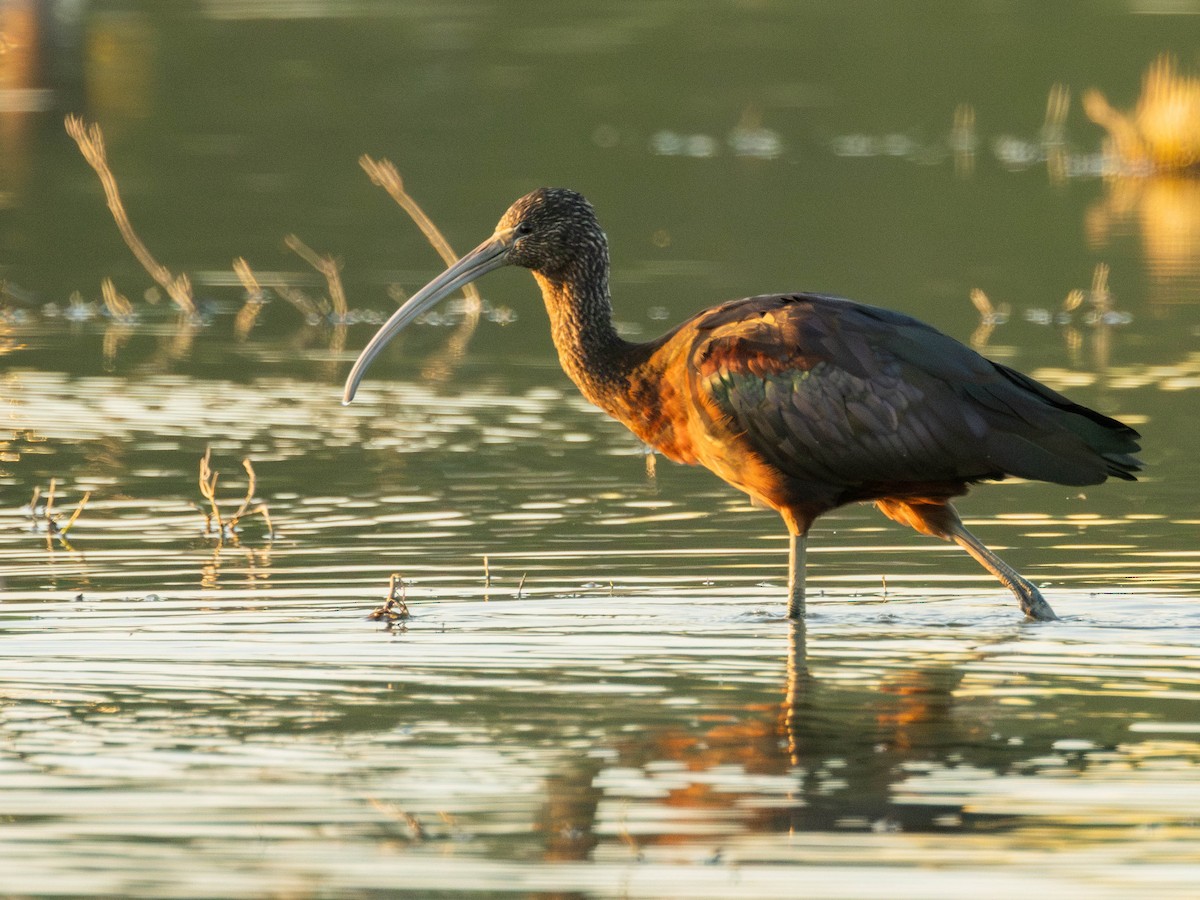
(939, 518)
(795, 607)
(1033, 604)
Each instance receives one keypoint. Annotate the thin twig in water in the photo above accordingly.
(487, 573)
(75, 515)
(208, 490)
(981, 303)
(329, 267)
(249, 492)
(49, 520)
(91, 144)
(255, 299)
(989, 317)
(245, 275)
(395, 607)
(521, 585)
(117, 304)
(245, 509)
(383, 173)
(309, 308)
(50, 506)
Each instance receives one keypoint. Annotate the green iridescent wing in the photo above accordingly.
(835, 392)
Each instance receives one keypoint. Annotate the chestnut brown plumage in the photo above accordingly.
(806, 402)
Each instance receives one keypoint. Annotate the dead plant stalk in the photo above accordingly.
(91, 144)
(328, 267)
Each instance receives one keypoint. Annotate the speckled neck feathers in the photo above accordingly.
(589, 349)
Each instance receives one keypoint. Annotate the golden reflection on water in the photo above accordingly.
(1164, 211)
(19, 96)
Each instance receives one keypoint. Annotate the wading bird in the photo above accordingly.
(806, 402)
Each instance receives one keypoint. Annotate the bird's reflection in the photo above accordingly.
(847, 748)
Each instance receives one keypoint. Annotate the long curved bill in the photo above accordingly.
(491, 254)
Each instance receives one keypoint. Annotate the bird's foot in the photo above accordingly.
(1033, 604)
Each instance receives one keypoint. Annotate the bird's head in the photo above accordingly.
(550, 230)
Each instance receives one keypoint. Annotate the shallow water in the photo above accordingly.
(595, 693)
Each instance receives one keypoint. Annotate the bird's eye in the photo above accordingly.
(523, 228)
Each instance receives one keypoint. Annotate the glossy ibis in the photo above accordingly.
(806, 402)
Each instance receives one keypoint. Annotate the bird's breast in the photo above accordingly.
(658, 413)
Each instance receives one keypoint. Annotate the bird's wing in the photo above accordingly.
(834, 392)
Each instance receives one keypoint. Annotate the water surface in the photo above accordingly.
(595, 693)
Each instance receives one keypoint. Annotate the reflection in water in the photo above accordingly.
(18, 95)
(879, 746)
(1165, 211)
(182, 716)
(160, 691)
(828, 759)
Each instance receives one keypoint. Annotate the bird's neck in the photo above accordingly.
(591, 352)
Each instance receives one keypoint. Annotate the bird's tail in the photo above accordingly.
(1114, 442)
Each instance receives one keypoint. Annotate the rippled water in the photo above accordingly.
(604, 714)
(594, 693)
(238, 741)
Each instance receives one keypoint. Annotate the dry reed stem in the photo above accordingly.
(91, 144)
(242, 270)
(117, 304)
(52, 527)
(308, 307)
(249, 492)
(981, 302)
(261, 510)
(989, 317)
(75, 515)
(50, 504)
(33, 502)
(255, 300)
(208, 490)
(487, 573)
(245, 509)
(328, 267)
(394, 583)
(383, 173)
(521, 585)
